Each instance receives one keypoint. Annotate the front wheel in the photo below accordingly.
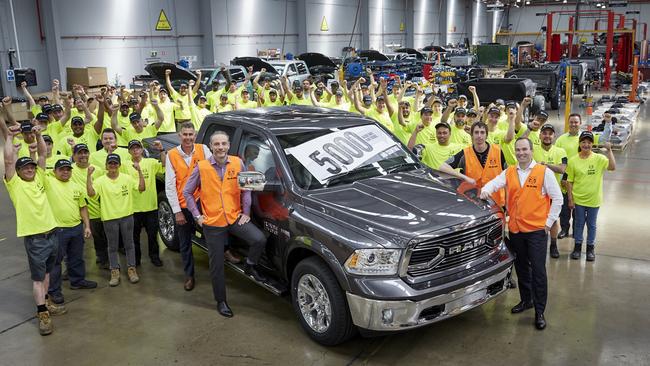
(320, 303)
(166, 224)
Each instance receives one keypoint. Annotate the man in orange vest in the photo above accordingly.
(225, 210)
(179, 164)
(534, 201)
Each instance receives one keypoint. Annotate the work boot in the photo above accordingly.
(156, 261)
(45, 326)
(55, 309)
(563, 234)
(590, 253)
(553, 251)
(231, 257)
(115, 277)
(249, 270)
(133, 275)
(577, 249)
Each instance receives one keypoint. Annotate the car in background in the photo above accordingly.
(321, 67)
(294, 70)
(210, 73)
(257, 64)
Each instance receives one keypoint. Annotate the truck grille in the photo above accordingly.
(455, 249)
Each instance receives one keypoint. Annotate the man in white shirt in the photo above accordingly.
(534, 201)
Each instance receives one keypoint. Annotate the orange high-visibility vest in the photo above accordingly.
(183, 171)
(220, 200)
(527, 207)
(482, 175)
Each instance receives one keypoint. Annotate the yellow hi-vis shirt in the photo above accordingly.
(146, 200)
(79, 176)
(66, 198)
(459, 136)
(435, 154)
(115, 196)
(33, 211)
(586, 175)
(553, 156)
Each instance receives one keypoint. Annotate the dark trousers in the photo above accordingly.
(530, 263)
(566, 214)
(71, 246)
(185, 233)
(149, 222)
(99, 240)
(216, 238)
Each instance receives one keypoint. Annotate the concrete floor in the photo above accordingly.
(597, 313)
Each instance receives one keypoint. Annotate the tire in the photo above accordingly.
(166, 224)
(555, 101)
(313, 275)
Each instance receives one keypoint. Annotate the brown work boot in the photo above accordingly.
(189, 284)
(231, 257)
(115, 278)
(55, 309)
(133, 275)
(45, 326)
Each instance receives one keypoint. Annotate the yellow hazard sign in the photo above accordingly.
(402, 27)
(323, 25)
(163, 22)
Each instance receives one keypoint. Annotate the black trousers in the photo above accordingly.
(566, 214)
(149, 222)
(530, 264)
(99, 240)
(216, 239)
(185, 233)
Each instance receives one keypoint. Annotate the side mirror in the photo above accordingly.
(417, 150)
(256, 181)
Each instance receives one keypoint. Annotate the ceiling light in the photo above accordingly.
(527, 2)
(564, 1)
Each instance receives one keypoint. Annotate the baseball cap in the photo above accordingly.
(47, 108)
(224, 96)
(339, 93)
(23, 162)
(113, 158)
(547, 126)
(511, 104)
(62, 163)
(26, 126)
(462, 96)
(499, 102)
(163, 90)
(244, 91)
(442, 124)
(367, 99)
(135, 116)
(494, 110)
(80, 147)
(472, 112)
(76, 120)
(57, 108)
(124, 105)
(437, 100)
(48, 138)
(215, 81)
(426, 110)
(542, 114)
(202, 97)
(42, 117)
(380, 98)
(183, 85)
(273, 91)
(364, 86)
(334, 83)
(134, 143)
(43, 97)
(460, 111)
(586, 135)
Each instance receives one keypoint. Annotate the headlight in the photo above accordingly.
(373, 262)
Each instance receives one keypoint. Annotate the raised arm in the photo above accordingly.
(141, 183)
(197, 85)
(10, 150)
(160, 117)
(520, 112)
(312, 95)
(41, 147)
(99, 123)
(28, 96)
(477, 103)
(89, 182)
(256, 81)
(114, 125)
(610, 156)
(510, 134)
(384, 93)
(168, 82)
(9, 117)
(56, 99)
(357, 100)
(285, 85)
(451, 105)
(414, 135)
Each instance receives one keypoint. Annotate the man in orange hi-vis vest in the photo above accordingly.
(225, 210)
(534, 201)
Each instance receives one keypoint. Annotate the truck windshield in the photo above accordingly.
(327, 157)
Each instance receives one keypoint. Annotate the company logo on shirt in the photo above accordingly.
(125, 190)
(531, 182)
(492, 163)
(39, 187)
(591, 170)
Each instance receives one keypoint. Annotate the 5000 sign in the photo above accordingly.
(344, 149)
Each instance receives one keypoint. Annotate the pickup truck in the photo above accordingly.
(361, 235)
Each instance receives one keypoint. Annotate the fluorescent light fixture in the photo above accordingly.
(527, 2)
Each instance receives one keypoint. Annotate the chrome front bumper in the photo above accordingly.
(385, 315)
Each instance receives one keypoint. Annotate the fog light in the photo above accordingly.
(387, 316)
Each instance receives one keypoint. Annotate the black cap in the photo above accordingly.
(57, 108)
(511, 104)
(426, 110)
(42, 117)
(215, 81)
(135, 116)
(442, 124)
(460, 111)
(586, 135)
(62, 163)
(124, 105)
(80, 147)
(494, 110)
(134, 143)
(334, 83)
(245, 91)
(611, 111)
(113, 158)
(273, 91)
(133, 101)
(76, 120)
(462, 96)
(43, 97)
(23, 162)
(48, 138)
(364, 86)
(437, 100)
(542, 114)
(472, 112)
(202, 97)
(367, 99)
(26, 126)
(547, 126)
(183, 85)
(381, 97)
(163, 90)
(47, 108)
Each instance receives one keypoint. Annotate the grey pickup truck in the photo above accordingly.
(361, 236)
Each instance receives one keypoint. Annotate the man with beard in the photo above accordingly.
(458, 134)
(438, 151)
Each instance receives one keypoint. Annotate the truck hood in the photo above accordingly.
(398, 207)
(157, 70)
(257, 63)
(313, 59)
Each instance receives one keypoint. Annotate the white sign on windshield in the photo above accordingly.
(342, 151)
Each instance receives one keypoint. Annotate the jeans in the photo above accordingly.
(216, 239)
(583, 215)
(530, 264)
(566, 214)
(148, 221)
(99, 240)
(122, 227)
(71, 246)
(185, 234)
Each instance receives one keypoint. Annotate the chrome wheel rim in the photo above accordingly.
(166, 221)
(314, 303)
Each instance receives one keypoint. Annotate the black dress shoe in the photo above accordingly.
(156, 262)
(522, 306)
(83, 285)
(554, 252)
(224, 309)
(251, 271)
(563, 234)
(540, 322)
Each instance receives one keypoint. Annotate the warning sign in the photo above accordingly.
(323, 25)
(163, 22)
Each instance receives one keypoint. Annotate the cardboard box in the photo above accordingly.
(19, 110)
(87, 76)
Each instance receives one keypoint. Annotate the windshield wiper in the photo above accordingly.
(338, 178)
(397, 167)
